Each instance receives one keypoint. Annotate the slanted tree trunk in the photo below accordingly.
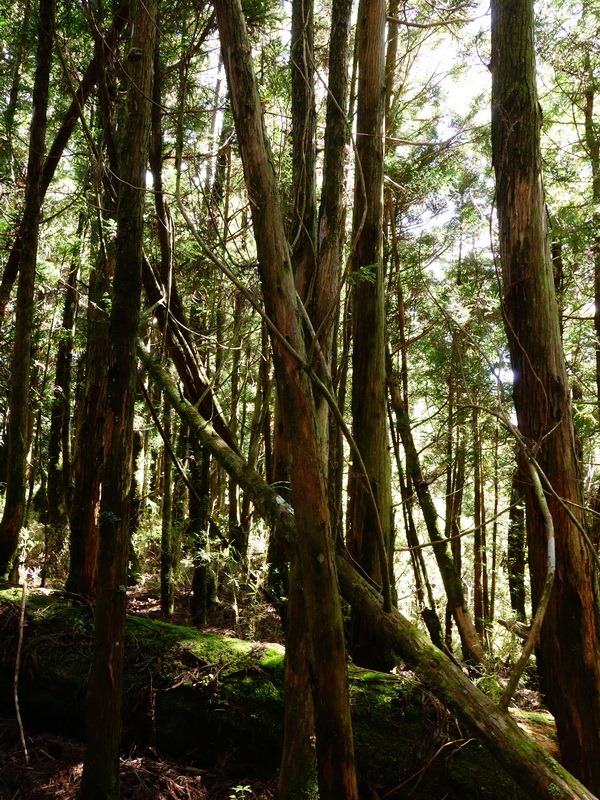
(100, 778)
(369, 389)
(570, 635)
(471, 644)
(19, 409)
(334, 744)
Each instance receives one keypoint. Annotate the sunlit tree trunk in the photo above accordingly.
(19, 408)
(471, 643)
(570, 636)
(101, 764)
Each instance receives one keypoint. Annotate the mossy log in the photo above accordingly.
(217, 703)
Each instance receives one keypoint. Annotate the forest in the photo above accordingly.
(300, 394)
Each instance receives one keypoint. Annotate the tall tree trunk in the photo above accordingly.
(59, 467)
(19, 409)
(297, 777)
(480, 590)
(88, 452)
(324, 303)
(592, 141)
(516, 546)
(334, 744)
(168, 560)
(101, 764)
(369, 389)
(570, 635)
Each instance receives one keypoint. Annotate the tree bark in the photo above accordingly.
(59, 454)
(101, 764)
(88, 452)
(570, 635)
(19, 409)
(369, 389)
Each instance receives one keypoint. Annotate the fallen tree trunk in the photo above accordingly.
(527, 762)
(218, 703)
(523, 758)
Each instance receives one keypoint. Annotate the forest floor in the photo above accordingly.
(52, 768)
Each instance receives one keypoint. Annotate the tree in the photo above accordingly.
(334, 745)
(521, 756)
(569, 640)
(19, 407)
(370, 519)
(101, 765)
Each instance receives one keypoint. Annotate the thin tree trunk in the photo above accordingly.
(516, 555)
(480, 592)
(19, 409)
(451, 579)
(59, 467)
(567, 656)
(369, 389)
(100, 778)
(168, 561)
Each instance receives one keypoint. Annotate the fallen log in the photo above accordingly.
(217, 702)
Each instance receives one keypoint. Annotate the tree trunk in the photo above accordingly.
(369, 389)
(88, 453)
(480, 588)
(19, 409)
(59, 466)
(335, 751)
(570, 635)
(522, 757)
(516, 547)
(168, 549)
(101, 765)
(471, 643)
